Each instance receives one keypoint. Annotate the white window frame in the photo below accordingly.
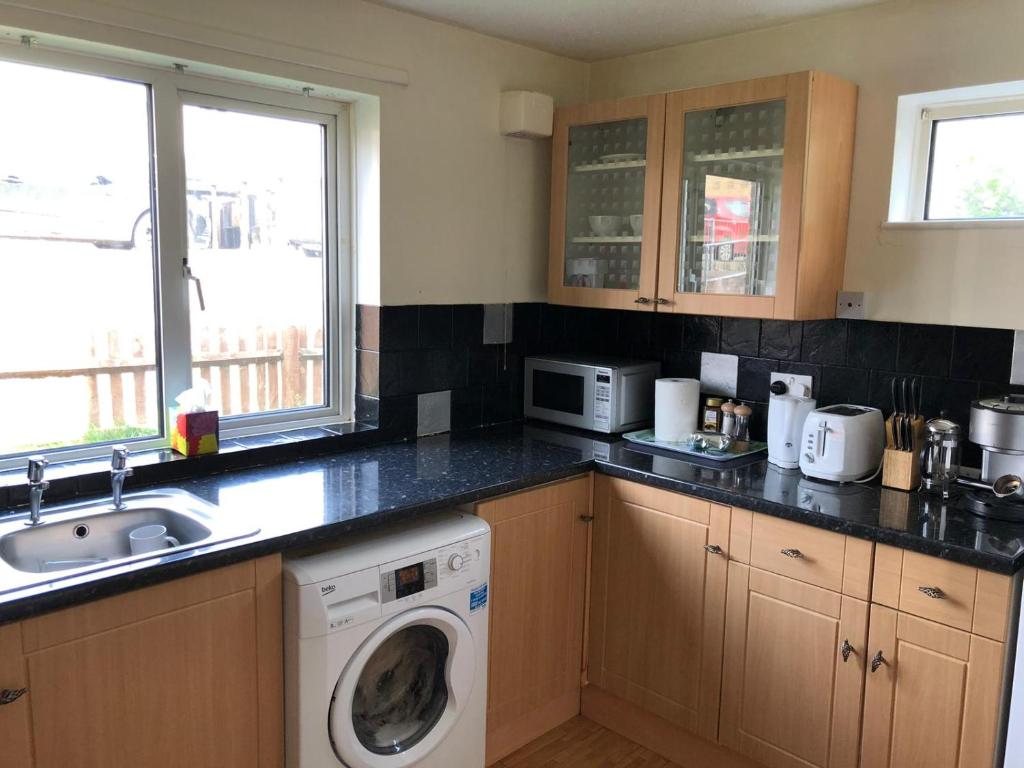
(916, 115)
(170, 90)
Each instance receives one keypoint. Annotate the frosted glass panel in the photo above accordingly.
(605, 204)
(401, 692)
(731, 198)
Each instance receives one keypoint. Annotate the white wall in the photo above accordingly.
(969, 277)
(463, 210)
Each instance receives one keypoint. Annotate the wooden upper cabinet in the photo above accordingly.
(605, 203)
(538, 576)
(793, 671)
(755, 199)
(657, 602)
(933, 697)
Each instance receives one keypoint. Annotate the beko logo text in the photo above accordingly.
(327, 590)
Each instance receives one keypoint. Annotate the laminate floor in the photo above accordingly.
(580, 743)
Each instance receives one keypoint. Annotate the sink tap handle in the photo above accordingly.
(36, 466)
(119, 458)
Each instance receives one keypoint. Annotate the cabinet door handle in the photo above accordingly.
(660, 300)
(877, 661)
(933, 592)
(846, 650)
(11, 695)
(714, 549)
(587, 518)
(796, 554)
(641, 300)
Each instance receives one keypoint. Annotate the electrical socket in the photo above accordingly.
(789, 379)
(850, 305)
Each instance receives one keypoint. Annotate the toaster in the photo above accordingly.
(842, 443)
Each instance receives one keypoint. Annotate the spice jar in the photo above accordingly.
(728, 417)
(712, 421)
(741, 430)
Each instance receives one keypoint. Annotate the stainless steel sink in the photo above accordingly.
(79, 538)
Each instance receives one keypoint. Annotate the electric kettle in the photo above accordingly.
(787, 409)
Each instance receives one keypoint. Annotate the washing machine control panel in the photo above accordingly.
(436, 572)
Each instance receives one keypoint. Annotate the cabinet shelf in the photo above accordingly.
(750, 239)
(748, 154)
(615, 240)
(625, 164)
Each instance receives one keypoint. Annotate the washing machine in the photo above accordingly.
(386, 648)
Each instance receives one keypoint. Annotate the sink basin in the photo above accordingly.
(79, 538)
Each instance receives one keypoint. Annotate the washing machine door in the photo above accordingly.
(403, 690)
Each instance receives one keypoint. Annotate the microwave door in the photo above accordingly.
(561, 393)
(636, 398)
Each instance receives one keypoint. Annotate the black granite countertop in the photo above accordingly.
(320, 499)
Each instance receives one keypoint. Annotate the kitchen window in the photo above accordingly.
(158, 230)
(958, 156)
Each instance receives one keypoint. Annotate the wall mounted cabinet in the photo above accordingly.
(754, 198)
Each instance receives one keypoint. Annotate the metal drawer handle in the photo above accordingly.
(662, 301)
(9, 695)
(847, 649)
(714, 549)
(933, 592)
(587, 518)
(794, 553)
(877, 661)
(642, 300)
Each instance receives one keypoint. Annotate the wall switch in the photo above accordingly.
(850, 305)
(789, 379)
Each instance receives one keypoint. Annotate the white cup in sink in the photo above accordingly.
(151, 538)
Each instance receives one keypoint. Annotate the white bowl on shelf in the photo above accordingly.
(636, 223)
(605, 226)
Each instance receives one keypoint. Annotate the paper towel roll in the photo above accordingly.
(676, 402)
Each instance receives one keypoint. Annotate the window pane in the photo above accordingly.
(977, 169)
(78, 351)
(256, 220)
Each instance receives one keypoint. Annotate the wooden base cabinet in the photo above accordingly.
(185, 673)
(657, 602)
(793, 671)
(539, 542)
(932, 697)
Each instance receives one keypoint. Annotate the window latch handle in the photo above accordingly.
(199, 285)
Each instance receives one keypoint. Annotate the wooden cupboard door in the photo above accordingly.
(791, 696)
(539, 545)
(178, 690)
(15, 725)
(657, 601)
(606, 162)
(933, 698)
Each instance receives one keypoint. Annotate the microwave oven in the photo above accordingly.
(600, 394)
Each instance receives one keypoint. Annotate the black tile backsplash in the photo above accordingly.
(429, 348)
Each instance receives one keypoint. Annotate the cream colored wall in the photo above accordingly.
(463, 210)
(966, 276)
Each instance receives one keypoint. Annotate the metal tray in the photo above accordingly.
(735, 451)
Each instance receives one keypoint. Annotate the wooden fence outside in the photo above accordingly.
(247, 373)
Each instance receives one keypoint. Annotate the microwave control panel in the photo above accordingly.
(602, 399)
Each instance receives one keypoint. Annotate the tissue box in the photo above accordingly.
(194, 434)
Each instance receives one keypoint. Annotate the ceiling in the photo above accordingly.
(601, 29)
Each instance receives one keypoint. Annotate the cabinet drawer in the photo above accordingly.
(798, 551)
(938, 590)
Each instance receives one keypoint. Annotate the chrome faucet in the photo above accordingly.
(119, 471)
(36, 486)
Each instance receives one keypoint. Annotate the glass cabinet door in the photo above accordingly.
(604, 207)
(730, 199)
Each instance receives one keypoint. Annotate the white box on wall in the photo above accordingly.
(526, 114)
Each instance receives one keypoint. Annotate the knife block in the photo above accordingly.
(902, 469)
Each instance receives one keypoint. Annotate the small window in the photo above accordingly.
(959, 157)
(976, 169)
